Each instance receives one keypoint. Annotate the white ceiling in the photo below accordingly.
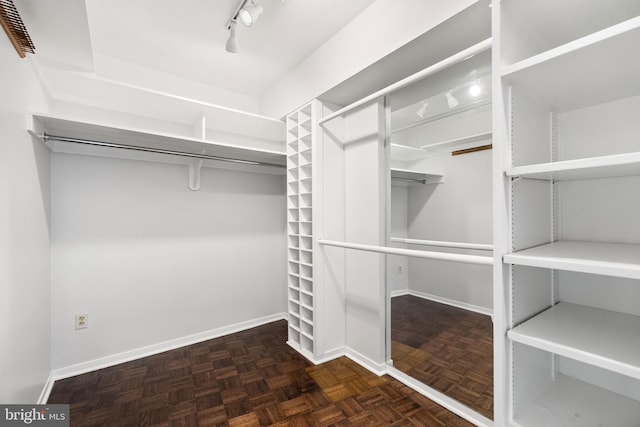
(187, 38)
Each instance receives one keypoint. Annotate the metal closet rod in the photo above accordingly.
(421, 181)
(46, 137)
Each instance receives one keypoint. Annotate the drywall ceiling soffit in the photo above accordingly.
(187, 38)
(431, 47)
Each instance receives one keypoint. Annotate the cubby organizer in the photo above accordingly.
(300, 169)
(572, 173)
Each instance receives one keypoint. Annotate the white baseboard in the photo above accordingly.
(330, 355)
(115, 359)
(399, 293)
(377, 368)
(443, 400)
(453, 303)
(46, 390)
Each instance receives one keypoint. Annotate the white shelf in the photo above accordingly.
(572, 76)
(595, 167)
(603, 338)
(142, 139)
(450, 143)
(406, 174)
(406, 153)
(609, 259)
(570, 402)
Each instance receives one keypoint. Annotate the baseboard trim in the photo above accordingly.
(330, 355)
(127, 356)
(377, 368)
(46, 390)
(453, 303)
(443, 400)
(399, 293)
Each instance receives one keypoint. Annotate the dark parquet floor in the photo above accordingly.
(447, 348)
(249, 378)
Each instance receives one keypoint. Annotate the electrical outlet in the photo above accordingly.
(82, 321)
(399, 269)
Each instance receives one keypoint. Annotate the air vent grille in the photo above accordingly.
(15, 28)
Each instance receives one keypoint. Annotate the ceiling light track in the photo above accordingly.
(246, 12)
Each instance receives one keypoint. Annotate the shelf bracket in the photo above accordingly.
(194, 175)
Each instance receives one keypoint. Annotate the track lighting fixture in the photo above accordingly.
(451, 101)
(232, 41)
(249, 13)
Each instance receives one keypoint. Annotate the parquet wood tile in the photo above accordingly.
(251, 378)
(447, 348)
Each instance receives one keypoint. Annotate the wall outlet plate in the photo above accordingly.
(82, 321)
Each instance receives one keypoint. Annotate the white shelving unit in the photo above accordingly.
(616, 165)
(131, 140)
(300, 171)
(584, 334)
(611, 259)
(569, 167)
(406, 153)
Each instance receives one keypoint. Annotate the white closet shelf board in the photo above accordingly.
(140, 138)
(592, 70)
(570, 402)
(406, 153)
(598, 337)
(590, 168)
(444, 145)
(609, 259)
(552, 29)
(416, 175)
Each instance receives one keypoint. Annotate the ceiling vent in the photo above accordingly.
(15, 29)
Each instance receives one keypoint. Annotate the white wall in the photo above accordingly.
(151, 261)
(398, 266)
(25, 334)
(458, 210)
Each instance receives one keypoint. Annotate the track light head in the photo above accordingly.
(249, 14)
(232, 42)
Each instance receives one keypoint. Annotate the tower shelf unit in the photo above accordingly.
(300, 170)
(570, 170)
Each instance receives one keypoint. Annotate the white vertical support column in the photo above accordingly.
(387, 231)
(365, 222)
(329, 221)
(501, 238)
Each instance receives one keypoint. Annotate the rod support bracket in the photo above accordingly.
(195, 169)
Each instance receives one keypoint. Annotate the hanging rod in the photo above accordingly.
(421, 181)
(445, 63)
(441, 256)
(46, 137)
(457, 245)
